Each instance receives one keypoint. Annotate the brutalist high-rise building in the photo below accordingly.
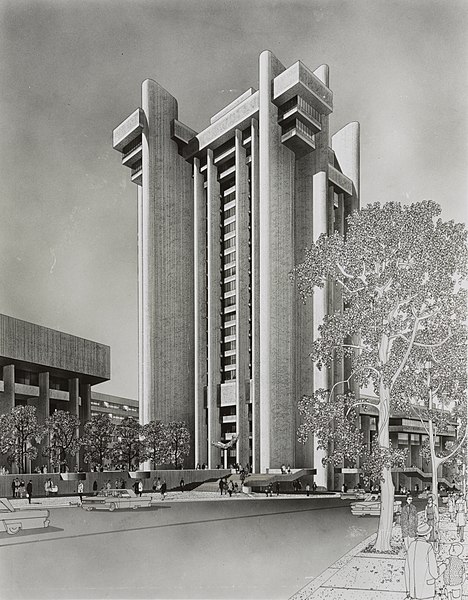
(223, 217)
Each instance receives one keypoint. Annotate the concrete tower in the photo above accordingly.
(224, 215)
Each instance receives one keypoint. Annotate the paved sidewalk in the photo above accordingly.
(171, 496)
(364, 575)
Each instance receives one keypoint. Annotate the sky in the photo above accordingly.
(71, 71)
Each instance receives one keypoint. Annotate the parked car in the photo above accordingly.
(112, 499)
(13, 520)
(371, 506)
(355, 494)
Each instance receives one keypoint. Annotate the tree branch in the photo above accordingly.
(407, 353)
(437, 345)
(352, 375)
(362, 403)
(419, 416)
(348, 275)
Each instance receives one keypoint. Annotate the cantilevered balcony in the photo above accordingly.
(299, 138)
(298, 109)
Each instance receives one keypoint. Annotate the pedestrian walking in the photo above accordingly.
(409, 522)
(307, 490)
(221, 486)
(95, 487)
(453, 570)
(230, 488)
(140, 488)
(13, 489)
(451, 506)
(421, 569)
(80, 491)
(277, 486)
(460, 508)
(29, 491)
(432, 519)
(163, 490)
(182, 485)
(314, 486)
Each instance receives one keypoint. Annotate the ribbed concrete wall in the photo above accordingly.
(37, 346)
(167, 280)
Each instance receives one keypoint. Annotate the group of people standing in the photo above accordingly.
(20, 490)
(421, 539)
(228, 487)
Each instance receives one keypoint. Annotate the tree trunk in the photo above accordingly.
(384, 533)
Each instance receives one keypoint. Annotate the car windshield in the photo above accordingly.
(6, 506)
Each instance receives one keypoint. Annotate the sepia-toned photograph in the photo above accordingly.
(234, 299)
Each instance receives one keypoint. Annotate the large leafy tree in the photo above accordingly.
(64, 442)
(128, 445)
(19, 430)
(178, 442)
(401, 270)
(433, 388)
(97, 439)
(156, 442)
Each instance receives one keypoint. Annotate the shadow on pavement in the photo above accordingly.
(28, 532)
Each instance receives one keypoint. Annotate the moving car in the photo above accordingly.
(13, 520)
(112, 499)
(371, 506)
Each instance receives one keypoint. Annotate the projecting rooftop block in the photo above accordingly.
(128, 131)
(232, 105)
(298, 80)
(181, 133)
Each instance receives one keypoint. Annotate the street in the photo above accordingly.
(242, 549)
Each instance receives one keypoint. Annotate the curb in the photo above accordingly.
(324, 576)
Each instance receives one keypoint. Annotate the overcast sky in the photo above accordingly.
(71, 71)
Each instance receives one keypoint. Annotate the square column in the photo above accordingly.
(73, 408)
(214, 318)
(42, 406)
(242, 299)
(200, 295)
(7, 397)
(85, 416)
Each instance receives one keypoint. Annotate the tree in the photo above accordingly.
(62, 427)
(19, 429)
(97, 439)
(433, 388)
(400, 271)
(178, 441)
(128, 446)
(156, 442)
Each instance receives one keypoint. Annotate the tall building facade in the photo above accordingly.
(223, 217)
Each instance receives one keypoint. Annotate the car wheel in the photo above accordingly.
(135, 507)
(112, 507)
(88, 508)
(12, 529)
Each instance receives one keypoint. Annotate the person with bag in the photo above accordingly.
(453, 570)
